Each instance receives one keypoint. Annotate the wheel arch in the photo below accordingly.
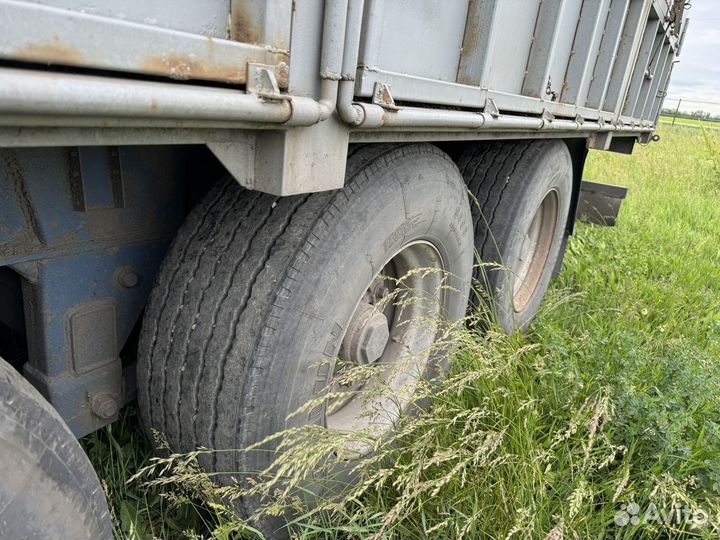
(578, 154)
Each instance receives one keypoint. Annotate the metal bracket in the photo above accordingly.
(262, 82)
(599, 141)
(491, 108)
(383, 97)
(547, 116)
(579, 119)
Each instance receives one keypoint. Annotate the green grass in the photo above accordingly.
(612, 398)
(691, 122)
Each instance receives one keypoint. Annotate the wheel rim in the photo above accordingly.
(535, 251)
(409, 302)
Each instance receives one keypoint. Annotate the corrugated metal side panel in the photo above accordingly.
(592, 58)
(659, 96)
(644, 104)
(609, 46)
(422, 38)
(640, 81)
(635, 22)
(509, 47)
(477, 41)
(584, 55)
(564, 37)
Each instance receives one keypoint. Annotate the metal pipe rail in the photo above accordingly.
(74, 99)
(71, 99)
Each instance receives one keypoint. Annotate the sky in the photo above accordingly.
(697, 75)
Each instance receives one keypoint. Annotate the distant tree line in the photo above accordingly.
(696, 115)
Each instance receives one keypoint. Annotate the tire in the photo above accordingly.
(257, 289)
(522, 192)
(48, 488)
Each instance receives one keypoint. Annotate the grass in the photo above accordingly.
(612, 399)
(695, 122)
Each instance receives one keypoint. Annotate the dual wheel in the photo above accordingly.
(263, 301)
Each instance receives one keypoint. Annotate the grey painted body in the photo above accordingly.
(599, 61)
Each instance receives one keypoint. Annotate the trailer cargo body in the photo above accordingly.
(408, 132)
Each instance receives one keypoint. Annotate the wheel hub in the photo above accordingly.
(367, 335)
(535, 251)
(392, 329)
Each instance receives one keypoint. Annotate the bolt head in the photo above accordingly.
(127, 278)
(367, 335)
(374, 339)
(104, 405)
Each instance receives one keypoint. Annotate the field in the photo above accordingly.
(611, 400)
(691, 122)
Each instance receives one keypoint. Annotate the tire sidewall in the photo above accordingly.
(552, 171)
(408, 194)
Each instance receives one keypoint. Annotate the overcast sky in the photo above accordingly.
(697, 75)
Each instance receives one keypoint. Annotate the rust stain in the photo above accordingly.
(183, 67)
(52, 52)
(241, 28)
(153, 106)
(14, 171)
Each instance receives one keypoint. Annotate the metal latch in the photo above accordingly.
(262, 82)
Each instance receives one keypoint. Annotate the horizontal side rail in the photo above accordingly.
(35, 33)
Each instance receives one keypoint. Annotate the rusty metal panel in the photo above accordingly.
(52, 36)
(536, 58)
(266, 22)
(474, 59)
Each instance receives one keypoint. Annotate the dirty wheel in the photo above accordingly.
(263, 301)
(49, 488)
(522, 192)
(381, 331)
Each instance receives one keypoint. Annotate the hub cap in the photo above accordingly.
(392, 329)
(535, 251)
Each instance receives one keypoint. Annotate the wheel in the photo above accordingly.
(48, 488)
(259, 295)
(522, 192)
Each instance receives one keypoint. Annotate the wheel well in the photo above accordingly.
(578, 153)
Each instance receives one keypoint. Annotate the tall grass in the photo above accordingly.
(713, 150)
(612, 399)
